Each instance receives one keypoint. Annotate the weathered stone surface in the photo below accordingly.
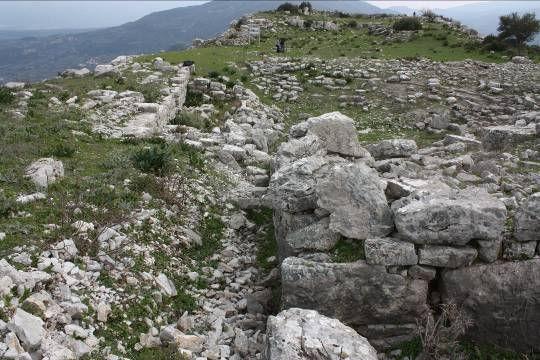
(422, 272)
(382, 307)
(393, 148)
(298, 334)
(354, 196)
(502, 299)
(389, 252)
(453, 217)
(488, 250)
(314, 237)
(501, 137)
(527, 220)
(29, 328)
(522, 250)
(337, 132)
(45, 171)
(446, 256)
(292, 187)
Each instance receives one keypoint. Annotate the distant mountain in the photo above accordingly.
(37, 58)
(21, 34)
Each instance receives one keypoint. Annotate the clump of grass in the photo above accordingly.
(7, 206)
(347, 250)
(193, 98)
(156, 159)
(6, 97)
(61, 150)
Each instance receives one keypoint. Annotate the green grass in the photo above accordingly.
(348, 250)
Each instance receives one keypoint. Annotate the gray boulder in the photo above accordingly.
(382, 307)
(452, 217)
(44, 171)
(527, 220)
(292, 187)
(29, 328)
(354, 196)
(446, 256)
(393, 148)
(298, 334)
(336, 131)
(314, 237)
(502, 299)
(389, 252)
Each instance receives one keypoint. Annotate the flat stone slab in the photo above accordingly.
(446, 256)
(382, 307)
(503, 301)
(390, 252)
(449, 217)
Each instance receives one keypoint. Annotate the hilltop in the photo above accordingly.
(366, 181)
(34, 59)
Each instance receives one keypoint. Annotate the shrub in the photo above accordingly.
(494, 43)
(62, 150)
(288, 7)
(213, 74)
(156, 159)
(151, 93)
(7, 206)
(440, 336)
(429, 15)
(6, 97)
(193, 98)
(409, 23)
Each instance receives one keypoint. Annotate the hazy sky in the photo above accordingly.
(93, 14)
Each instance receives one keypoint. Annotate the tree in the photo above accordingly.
(519, 28)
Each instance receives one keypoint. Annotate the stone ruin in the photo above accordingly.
(424, 242)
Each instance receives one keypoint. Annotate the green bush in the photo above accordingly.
(193, 98)
(410, 23)
(293, 9)
(192, 120)
(7, 206)
(156, 159)
(61, 150)
(6, 97)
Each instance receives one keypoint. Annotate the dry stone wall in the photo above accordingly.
(424, 241)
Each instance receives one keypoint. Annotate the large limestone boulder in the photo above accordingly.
(451, 217)
(29, 328)
(382, 307)
(502, 299)
(314, 237)
(292, 187)
(527, 220)
(45, 171)
(393, 148)
(337, 132)
(298, 334)
(354, 195)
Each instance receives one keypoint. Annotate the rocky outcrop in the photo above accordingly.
(502, 299)
(382, 307)
(298, 334)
